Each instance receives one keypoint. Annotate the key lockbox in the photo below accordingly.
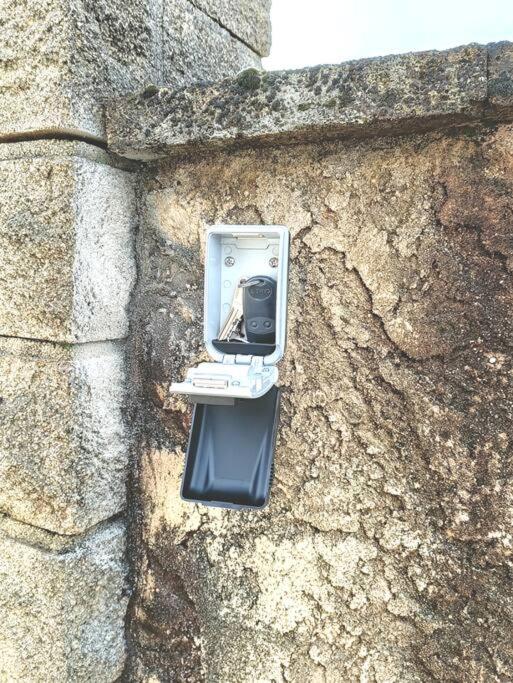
(230, 454)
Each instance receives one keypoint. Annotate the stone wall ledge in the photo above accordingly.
(397, 94)
(50, 541)
(60, 58)
(45, 146)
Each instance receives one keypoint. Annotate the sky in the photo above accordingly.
(308, 32)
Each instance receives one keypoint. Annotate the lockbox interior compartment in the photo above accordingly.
(239, 369)
(231, 452)
(234, 252)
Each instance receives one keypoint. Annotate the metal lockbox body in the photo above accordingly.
(231, 446)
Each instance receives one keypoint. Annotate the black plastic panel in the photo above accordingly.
(231, 452)
(244, 348)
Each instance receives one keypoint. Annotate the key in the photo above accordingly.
(234, 317)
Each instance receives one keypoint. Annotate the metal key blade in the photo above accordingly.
(235, 314)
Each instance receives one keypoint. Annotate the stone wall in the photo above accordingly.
(67, 224)
(60, 60)
(68, 221)
(385, 552)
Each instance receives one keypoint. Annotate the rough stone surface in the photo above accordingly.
(393, 94)
(62, 613)
(54, 147)
(249, 20)
(58, 60)
(35, 536)
(200, 49)
(385, 553)
(66, 245)
(63, 441)
(500, 70)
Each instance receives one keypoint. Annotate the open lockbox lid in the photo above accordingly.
(231, 452)
(231, 444)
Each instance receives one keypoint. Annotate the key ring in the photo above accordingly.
(250, 282)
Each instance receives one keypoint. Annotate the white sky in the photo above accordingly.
(308, 32)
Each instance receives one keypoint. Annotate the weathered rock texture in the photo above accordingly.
(63, 439)
(249, 20)
(198, 48)
(59, 60)
(62, 609)
(67, 223)
(66, 243)
(393, 94)
(385, 553)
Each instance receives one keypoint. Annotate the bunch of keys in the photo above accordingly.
(254, 303)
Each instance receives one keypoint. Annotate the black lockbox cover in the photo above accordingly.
(231, 451)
